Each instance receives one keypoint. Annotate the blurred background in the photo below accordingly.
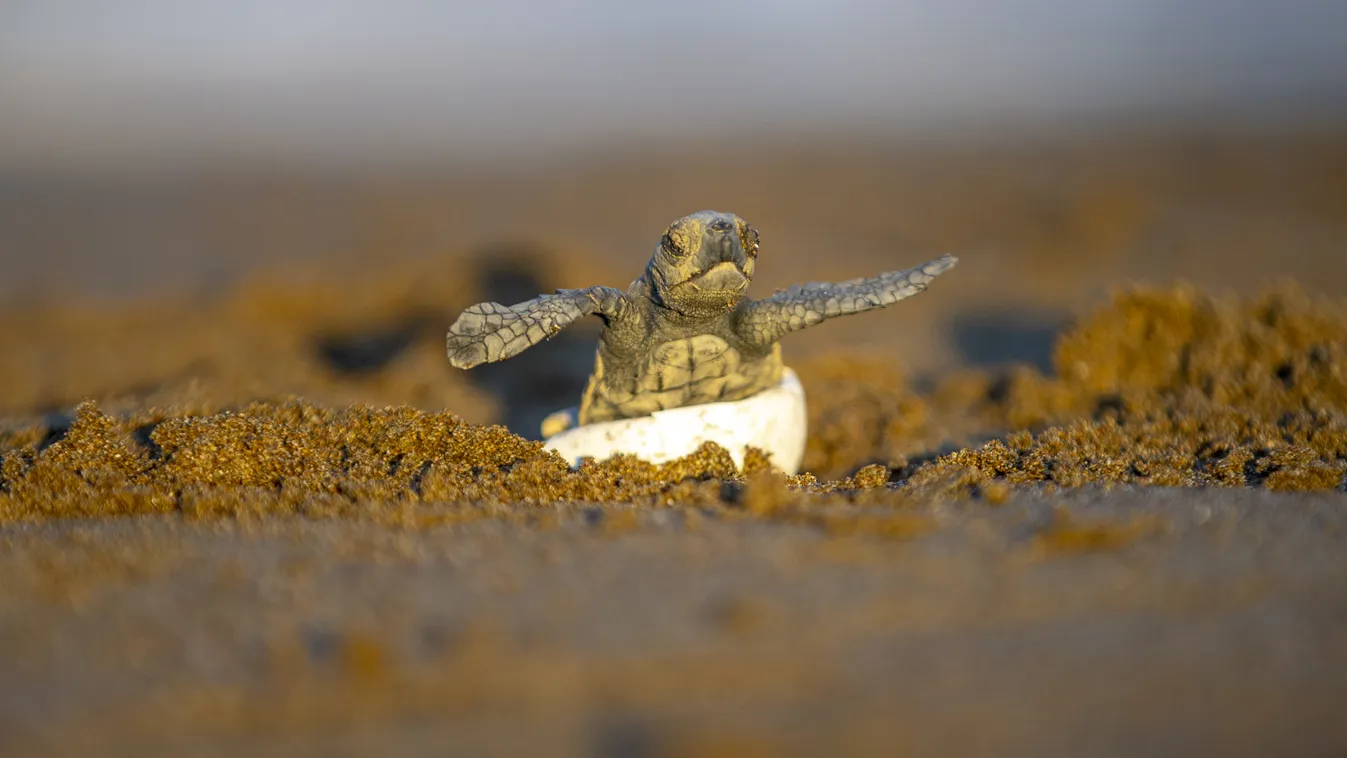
(155, 86)
(386, 164)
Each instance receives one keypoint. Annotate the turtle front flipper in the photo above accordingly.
(763, 322)
(490, 332)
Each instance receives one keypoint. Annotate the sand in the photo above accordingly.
(265, 516)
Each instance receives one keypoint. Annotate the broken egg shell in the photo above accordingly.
(773, 421)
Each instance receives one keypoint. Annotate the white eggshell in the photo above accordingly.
(773, 421)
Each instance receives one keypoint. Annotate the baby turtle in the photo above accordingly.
(683, 333)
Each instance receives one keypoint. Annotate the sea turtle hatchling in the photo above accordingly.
(683, 333)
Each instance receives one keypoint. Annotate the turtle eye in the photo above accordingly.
(670, 247)
(748, 237)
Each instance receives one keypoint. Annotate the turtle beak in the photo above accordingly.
(721, 277)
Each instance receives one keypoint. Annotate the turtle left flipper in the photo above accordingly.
(763, 322)
(490, 332)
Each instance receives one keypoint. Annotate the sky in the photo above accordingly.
(90, 85)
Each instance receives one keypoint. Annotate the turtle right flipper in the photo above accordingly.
(763, 322)
(490, 332)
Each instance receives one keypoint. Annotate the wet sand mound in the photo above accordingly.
(1160, 387)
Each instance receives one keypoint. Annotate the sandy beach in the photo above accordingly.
(1087, 495)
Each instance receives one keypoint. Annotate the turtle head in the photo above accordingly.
(703, 263)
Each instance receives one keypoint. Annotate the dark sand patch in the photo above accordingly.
(270, 637)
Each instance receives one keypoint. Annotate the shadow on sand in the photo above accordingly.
(543, 379)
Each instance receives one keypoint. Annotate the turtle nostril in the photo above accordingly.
(720, 225)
